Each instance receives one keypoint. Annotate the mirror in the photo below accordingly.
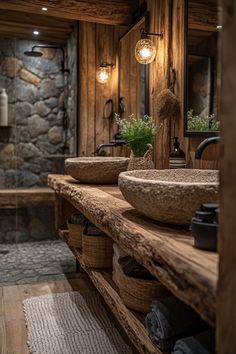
(201, 57)
(133, 77)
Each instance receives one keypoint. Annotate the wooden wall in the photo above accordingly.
(168, 16)
(99, 43)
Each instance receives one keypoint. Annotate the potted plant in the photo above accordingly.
(138, 134)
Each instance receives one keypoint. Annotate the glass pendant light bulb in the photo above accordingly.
(145, 51)
(103, 74)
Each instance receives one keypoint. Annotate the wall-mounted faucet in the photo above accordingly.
(117, 141)
(204, 144)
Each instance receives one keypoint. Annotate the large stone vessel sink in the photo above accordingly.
(169, 196)
(97, 170)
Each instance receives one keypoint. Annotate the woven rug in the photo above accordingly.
(69, 323)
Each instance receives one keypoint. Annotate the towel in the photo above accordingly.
(169, 320)
(203, 343)
(132, 268)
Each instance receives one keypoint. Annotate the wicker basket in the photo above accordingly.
(75, 231)
(137, 294)
(97, 248)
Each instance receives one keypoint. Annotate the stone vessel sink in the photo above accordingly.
(169, 196)
(97, 170)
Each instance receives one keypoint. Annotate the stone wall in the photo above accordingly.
(40, 101)
(43, 119)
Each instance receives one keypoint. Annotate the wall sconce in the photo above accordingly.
(145, 50)
(104, 72)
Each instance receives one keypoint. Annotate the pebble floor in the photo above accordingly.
(32, 262)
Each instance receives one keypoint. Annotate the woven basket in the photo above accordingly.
(75, 233)
(97, 250)
(137, 294)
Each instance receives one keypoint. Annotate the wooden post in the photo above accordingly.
(226, 307)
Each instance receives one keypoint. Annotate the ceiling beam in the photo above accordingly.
(111, 12)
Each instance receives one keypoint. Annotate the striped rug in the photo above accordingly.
(69, 323)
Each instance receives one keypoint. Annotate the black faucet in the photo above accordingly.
(204, 144)
(117, 141)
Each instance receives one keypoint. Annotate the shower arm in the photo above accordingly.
(54, 46)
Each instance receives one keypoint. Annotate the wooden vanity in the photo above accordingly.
(167, 252)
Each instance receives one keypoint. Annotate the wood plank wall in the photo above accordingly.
(100, 43)
(97, 43)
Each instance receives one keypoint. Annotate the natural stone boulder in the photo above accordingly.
(15, 163)
(48, 53)
(55, 135)
(22, 134)
(37, 126)
(52, 119)
(48, 88)
(25, 92)
(11, 178)
(41, 109)
(27, 151)
(51, 102)
(22, 110)
(6, 154)
(11, 66)
(29, 77)
(27, 179)
(59, 81)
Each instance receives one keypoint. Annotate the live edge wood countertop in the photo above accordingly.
(167, 252)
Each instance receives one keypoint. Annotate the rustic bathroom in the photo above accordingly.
(117, 177)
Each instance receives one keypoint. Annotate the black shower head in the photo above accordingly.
(32, 53)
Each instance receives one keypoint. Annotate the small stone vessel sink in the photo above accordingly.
(169, 196)
(99, 170)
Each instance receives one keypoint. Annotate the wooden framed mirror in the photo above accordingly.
(133, 77)
(202, 29)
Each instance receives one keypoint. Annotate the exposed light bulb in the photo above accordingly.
(103, 74)
(36, 33)
(219, 27)
(145, 51)
(44, 9)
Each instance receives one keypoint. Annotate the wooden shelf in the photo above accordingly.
(167, 252)
(21, 198)
(130, 322)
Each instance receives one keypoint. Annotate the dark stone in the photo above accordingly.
(48, 88)
(26, 151)
(51, 102)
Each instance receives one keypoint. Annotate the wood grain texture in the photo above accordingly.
(20, 198)
(159, 75)
(113, 12)
(167, 253)
(15, 24)
(98, 44)
(226, 310)
(134, 329)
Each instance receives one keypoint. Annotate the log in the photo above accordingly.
(166, 252)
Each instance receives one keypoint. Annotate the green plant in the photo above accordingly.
(197, 123)
(137, 133)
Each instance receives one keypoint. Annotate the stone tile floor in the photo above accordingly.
(31, 262)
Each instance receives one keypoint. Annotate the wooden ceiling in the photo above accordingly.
(19, 18)
(113, 12)
(21, 25)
